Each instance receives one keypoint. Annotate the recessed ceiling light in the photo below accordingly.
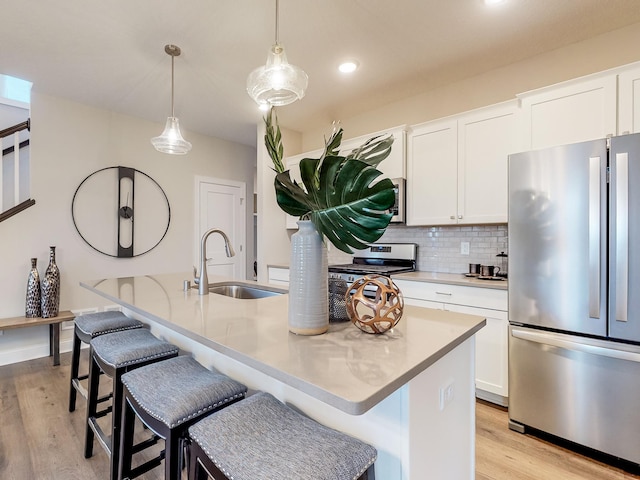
(493, 2)
(348, 67)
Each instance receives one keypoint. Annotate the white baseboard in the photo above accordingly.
(31, 352)
(492, 397)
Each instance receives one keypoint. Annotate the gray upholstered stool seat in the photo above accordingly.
(86, 327)
(115, 354)
(168, 397)
(261, 438)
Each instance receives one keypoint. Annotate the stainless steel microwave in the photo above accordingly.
(398, 208)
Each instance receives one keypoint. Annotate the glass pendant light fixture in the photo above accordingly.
(278, 82)
(171, 140)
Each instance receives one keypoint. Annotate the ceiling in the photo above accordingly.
(110, 54)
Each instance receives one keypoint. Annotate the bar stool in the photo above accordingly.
(168, 397)
(115, 354)
(86, 327)
(261, 438)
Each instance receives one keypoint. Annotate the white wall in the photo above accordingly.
(68, 142)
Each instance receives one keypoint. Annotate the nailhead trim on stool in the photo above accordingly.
(115, 354)
(86, 327)
(260, 438)
(168, 397)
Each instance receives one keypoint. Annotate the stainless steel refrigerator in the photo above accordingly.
(574, 293)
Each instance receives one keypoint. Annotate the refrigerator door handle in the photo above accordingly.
(555, 340)
(621, 261)
(594, 236)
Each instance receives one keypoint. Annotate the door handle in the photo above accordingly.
(584, 346)
(594, 236)
(621, 261)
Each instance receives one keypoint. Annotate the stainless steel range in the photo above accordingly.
(379, 259)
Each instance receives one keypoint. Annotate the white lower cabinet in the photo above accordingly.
(492, 363)
(278, 275)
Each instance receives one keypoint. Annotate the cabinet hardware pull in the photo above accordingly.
(443, 293)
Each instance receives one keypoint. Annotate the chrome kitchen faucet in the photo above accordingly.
(202, 280)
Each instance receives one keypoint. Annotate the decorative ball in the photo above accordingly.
(377, 310)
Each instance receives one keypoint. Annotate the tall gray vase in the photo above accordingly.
(50, 300)
(308, 282)
(32, 303)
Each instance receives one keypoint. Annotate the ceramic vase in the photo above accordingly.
(50, 287)
(308, 282)
(32, 303)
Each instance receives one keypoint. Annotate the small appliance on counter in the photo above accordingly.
(503, 264)
(485, 272)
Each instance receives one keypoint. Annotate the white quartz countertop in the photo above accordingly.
(451, 279)
(345, 367)
(438, 277)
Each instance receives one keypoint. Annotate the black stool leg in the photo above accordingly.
(75, 364)
(196, 469)
(126, 441)
(173, 456)
(370, 474)
(116, 420)
(92, 404)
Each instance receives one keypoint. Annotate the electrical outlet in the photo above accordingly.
(464, 248)
(446, 395)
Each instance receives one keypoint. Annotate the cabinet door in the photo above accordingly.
(629, 101)
(394, 165)
(416, 302)
(492, 363)
(432, 174)
(485, 139)
(571, 112)
(279, 276)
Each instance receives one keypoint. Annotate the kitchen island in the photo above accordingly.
(408, 392)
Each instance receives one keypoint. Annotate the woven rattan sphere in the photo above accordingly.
(379, 310)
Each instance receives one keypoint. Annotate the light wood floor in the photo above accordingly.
(41, 440)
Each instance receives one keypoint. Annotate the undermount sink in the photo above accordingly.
(244, 290)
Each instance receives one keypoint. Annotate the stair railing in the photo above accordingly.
(11, 137)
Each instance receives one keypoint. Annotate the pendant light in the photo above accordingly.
(171, 140)
(278, 82)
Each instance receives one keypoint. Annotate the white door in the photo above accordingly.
(221, 204)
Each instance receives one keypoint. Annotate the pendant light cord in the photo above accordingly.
(277, 22)
(172, 59)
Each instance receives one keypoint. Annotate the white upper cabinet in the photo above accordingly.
(486, 137)
(432, 173)
(570, 112)
(457, 168)
(629, 101)
(394, 165)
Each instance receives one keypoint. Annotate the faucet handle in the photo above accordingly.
(196, 280)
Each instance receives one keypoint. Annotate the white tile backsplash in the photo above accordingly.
(439, 247)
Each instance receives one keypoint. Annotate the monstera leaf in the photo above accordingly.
(345, 207)
(338, 193)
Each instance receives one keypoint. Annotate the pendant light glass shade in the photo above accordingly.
(278, 82)
(171, 141)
